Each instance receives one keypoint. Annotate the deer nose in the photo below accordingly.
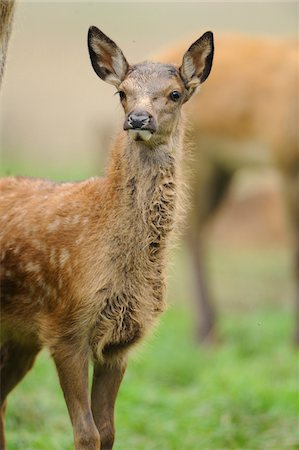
(140, 120)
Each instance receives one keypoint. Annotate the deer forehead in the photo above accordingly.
(152, 79)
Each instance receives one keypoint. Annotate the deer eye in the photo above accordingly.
(122, 95)
(175, 96)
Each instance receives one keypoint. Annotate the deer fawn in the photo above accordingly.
(249, 116)
(83, 264)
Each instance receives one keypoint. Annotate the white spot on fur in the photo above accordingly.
(64, 256)
(76, 219)
(53, 257)
(32, 267)
(38, 245)
(53, 225)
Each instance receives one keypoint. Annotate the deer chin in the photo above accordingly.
(140, 135)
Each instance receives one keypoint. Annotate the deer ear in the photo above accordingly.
(197, 62)
(106, 57)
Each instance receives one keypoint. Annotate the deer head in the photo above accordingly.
(151, 93)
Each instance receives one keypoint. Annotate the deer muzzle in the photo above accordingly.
(140, 125)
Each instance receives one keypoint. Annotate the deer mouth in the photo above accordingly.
(139, 134)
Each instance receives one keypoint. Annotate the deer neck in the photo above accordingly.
(146, 185)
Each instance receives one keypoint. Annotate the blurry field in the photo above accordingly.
(242, 394)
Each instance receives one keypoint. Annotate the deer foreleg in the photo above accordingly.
(16, 361)
(106, 382)
(72, 368)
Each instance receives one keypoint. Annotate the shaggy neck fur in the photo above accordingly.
(145, 185)
(147, 182)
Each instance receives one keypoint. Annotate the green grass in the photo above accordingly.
(241, 394)
(51, 172)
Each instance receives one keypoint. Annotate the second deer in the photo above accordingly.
(248, 117)
(83, 264)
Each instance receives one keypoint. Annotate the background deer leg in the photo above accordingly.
(72, 368)
(291, 182)
(296, 267)
(208, 192)
(206, 314)
(106, 382)
(296, 332)
(16, 361)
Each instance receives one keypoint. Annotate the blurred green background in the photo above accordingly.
(57, 119)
